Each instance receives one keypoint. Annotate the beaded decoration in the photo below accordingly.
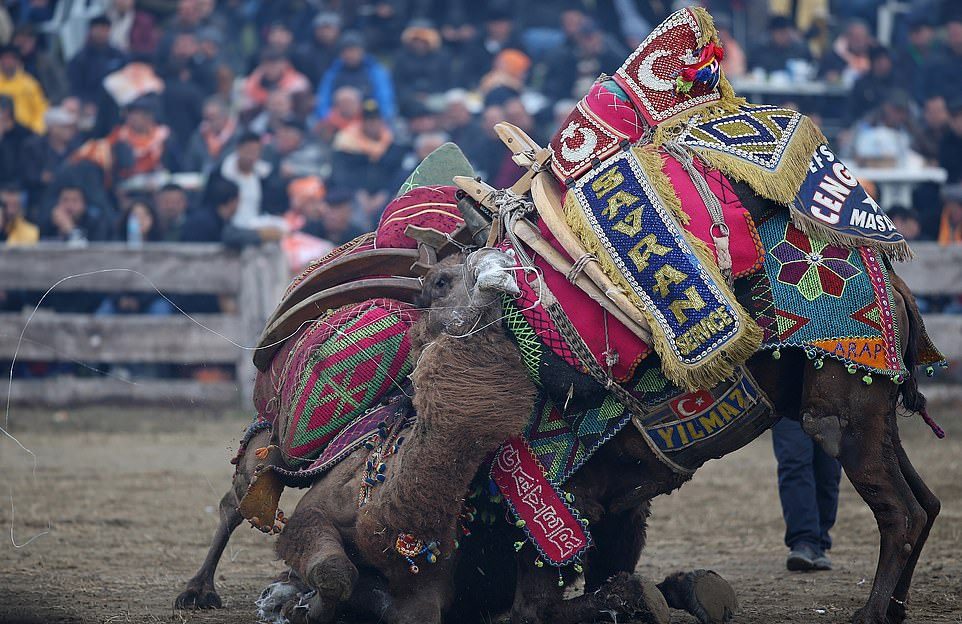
(409, 546)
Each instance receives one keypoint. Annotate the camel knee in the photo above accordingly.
(932, 506)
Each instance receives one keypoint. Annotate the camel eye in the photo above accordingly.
(441, 282)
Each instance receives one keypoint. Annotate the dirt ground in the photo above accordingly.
(126, 502)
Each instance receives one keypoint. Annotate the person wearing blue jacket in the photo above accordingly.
(354, 67)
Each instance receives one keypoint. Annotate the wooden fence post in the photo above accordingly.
(264, 277)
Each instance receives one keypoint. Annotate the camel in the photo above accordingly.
(357, 536)
(347, 556)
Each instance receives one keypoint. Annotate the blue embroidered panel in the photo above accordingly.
(649, 248)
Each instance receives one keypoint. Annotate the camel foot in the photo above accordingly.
(633, 597)
(894, 615)
(896, 612)
(333, 577)
(198, 596)
(274, 603)
(702, 593)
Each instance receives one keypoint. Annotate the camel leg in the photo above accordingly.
(539, 598)
(199, 592)
(312, 546)
(619, 539)
(931, 504)
(867, 452)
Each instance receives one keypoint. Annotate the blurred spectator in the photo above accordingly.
(147, 139)
(460, 124)
(906, 221)
(934, 125)
(366, 158)
(131, 30)
(14, 227)
(336, 223)
(42, 156)
(13, 136)
(245, 168)
(940, 72)
(950, 148)
(275, 74)
(950, 225)
(216, 220)
(213, 138)
(507, 76)
(346, 110)
(29, 103)
(884, 138)
(96, 59)
(277, 108)
(315, 55)
(498, 35)
(914, 57)
(574, 66)
(356, 68)
(420, 69)
(75, 221)
(784, 44)
(735, 63)
(45, 67)
(170, 213)
(187, 81)
(848, 58)
(290, 154)
(873, 87)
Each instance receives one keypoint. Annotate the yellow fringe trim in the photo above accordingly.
(782, 184)
(721, 363)
(706, 24)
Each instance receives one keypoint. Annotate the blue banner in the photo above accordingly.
(652, 254)
(831, 197)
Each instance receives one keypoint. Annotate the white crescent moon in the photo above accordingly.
(646, 72)
(682, 411)
(589, 138)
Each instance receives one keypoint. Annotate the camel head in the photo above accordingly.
(462, 292)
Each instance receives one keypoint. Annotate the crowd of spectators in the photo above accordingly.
(244, 121)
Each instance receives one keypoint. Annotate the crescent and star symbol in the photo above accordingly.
(589, 142)
(697, 405)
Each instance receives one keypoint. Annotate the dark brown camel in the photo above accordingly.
(854, 421)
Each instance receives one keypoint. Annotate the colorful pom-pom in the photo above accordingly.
(776, 354)
(868, 380)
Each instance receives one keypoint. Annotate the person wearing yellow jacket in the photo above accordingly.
(14, 227)
(29, 102)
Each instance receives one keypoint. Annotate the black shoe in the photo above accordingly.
(822, 562)
(802, 558)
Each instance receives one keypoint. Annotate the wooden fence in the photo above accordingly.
(256, 279)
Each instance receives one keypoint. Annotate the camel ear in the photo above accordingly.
(494, 270)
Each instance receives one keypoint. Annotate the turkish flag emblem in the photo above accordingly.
(692, 403)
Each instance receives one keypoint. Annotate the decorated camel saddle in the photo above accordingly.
(646, 283)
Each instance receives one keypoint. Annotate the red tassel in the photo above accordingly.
(936, 429)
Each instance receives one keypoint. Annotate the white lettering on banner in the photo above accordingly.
(546, 517)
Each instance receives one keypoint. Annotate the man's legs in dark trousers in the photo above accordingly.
(794, 450)
(828, 472)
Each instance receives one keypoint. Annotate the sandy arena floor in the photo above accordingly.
(129, 501)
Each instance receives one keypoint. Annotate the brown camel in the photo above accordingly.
(328, 540)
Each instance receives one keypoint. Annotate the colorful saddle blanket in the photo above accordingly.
(339, 367)
(627, 214)
(783, 156)
(828, 300)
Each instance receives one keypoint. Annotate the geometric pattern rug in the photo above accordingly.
(829, 300)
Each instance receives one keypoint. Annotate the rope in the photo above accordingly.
(721, 239)
(579, 266)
